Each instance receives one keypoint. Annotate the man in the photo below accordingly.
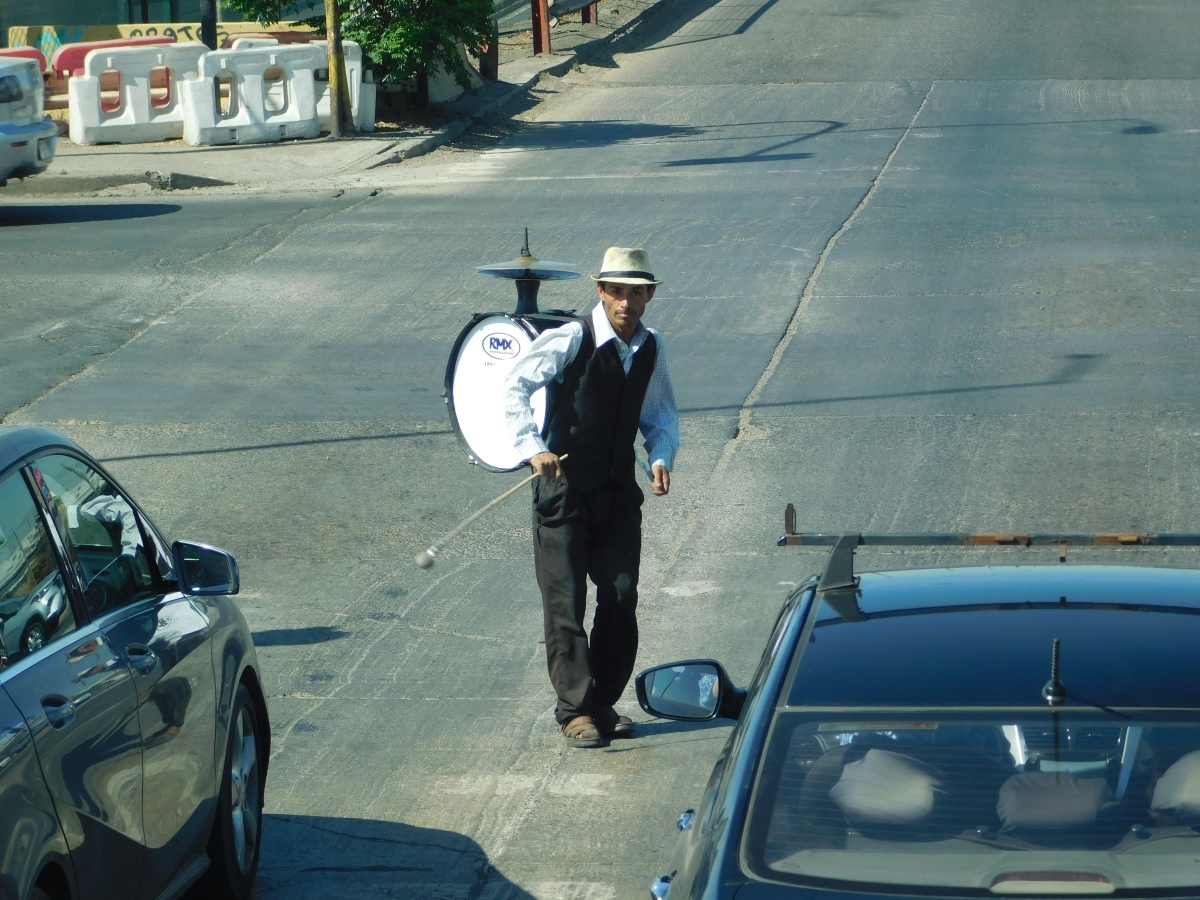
(606, 377)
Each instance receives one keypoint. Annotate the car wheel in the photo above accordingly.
(34, 638)
(236, 835)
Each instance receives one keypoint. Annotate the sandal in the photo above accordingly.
(609, 724)
(581, 732)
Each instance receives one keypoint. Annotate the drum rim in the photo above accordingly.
(451, 365)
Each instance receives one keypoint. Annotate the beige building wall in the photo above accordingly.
(92, 12)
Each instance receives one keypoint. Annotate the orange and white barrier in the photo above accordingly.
(26, 53)
(69, 59)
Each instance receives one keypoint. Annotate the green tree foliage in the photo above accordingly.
(402, 38)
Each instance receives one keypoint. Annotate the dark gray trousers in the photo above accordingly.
(578, 535)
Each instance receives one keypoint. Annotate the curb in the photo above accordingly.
(395, 153)
(526, 80)
(80, 184)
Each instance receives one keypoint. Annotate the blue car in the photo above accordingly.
(969, 732)
(134, 735)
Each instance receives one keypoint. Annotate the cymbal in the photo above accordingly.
(527, 267)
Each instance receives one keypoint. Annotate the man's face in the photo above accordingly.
(624, 304)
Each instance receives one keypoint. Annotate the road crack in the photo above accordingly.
(744, 430)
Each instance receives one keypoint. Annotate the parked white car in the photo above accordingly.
(28, 139)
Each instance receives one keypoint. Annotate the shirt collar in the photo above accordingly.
(604, 331)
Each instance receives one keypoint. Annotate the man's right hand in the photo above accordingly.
(547, 465)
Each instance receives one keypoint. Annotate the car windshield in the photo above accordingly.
(1046, 802)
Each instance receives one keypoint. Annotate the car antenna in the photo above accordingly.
(1054, 691)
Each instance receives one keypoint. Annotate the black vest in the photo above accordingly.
(593, 414)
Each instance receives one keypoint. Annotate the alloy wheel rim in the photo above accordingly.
(36, 640)
(244, 791)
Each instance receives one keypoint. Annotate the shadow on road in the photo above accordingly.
(318, 857)
(75, 213)
(581, 134)
(577, 135)
(667, 19)
(295, 637)
(278, 445)
(744, 158)
(1075, 368)
(663, 733)
(765, 154)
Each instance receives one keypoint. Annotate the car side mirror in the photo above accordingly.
(205, 570)
(693, 691)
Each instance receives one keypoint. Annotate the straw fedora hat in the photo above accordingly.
(626, 265)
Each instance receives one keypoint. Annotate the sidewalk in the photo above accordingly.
(173, 165)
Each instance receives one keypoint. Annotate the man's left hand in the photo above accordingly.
(661, 484)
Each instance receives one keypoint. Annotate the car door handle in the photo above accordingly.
(60, 711)
(143, 658)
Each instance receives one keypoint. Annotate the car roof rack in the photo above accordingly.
(839, 585)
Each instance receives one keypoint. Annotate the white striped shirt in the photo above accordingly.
(548, 360)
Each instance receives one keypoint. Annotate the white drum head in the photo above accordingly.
(486, 352)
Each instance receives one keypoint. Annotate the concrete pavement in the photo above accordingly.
(132, 169)
(909, 285)
(138, 169)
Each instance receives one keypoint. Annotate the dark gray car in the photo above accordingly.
(133, 729)
(969, 732)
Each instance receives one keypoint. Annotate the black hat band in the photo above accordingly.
(603, 275)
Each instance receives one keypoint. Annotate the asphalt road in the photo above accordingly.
(928, 265)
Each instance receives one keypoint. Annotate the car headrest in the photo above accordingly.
(885, 788)
(1050, 800)
(1179, 788)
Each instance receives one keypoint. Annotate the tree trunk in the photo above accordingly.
(333, 40)
(208, 23)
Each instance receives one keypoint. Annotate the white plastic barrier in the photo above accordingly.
(362, 93)
(364, 116)
(362, 90)
(253, 96)
(141, 95)
(253, 43)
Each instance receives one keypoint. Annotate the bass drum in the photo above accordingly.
(484, 354)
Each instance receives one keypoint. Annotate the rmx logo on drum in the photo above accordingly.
(500, 346)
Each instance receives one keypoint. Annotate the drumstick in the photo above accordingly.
(426, 558)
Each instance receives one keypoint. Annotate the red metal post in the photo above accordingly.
(590, 15)
(541, 26)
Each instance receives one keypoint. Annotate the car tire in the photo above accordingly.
(236, 836)
(34, 637)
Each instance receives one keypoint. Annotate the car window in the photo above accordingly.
(34, 607)
(102, 534)
(979, 804)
